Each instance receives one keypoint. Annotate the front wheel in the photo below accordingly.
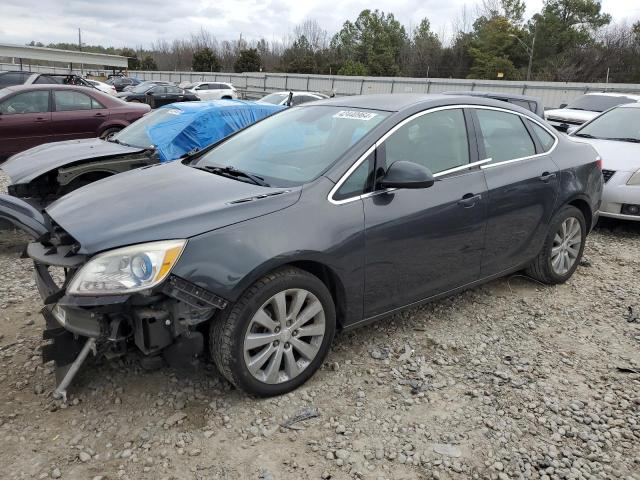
(562, 249)
(276, 335)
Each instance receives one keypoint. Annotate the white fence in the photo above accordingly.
(253, 85)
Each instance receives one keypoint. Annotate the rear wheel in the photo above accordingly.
(276, 335)
(562, 249)
(109, 132)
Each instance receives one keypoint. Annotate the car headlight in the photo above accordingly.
(128, 269)
(635, 179)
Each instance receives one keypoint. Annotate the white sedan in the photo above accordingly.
(616, 136)
(292, 99)
(212, 90)
(103, 87)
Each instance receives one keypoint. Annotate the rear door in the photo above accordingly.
(522, 180)
(25, 121)
(76, 115)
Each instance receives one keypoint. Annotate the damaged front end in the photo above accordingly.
(84, 311)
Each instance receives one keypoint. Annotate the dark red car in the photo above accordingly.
(31, 115)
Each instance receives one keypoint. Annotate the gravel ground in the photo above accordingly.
(509, 380)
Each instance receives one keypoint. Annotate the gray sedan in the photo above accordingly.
(320, 218)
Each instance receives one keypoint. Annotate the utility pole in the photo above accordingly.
(80, 49)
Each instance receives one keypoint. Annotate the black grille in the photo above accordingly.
(607, 174)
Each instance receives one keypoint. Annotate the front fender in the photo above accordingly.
(23, 216)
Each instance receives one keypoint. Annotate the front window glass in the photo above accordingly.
(436, 140)
(296, 145)
(274, 98)
(135, 134)
(27, 102)
(619, 123)
(358, 182)
(504, 135)
(598, 103)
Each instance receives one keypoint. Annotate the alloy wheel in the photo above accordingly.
(566, 246)
(284, 336)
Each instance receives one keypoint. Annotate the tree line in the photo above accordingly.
(567, 40)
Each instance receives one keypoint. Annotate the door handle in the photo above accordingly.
(99, 115)
(40, 119)
(546, 176)
(469, 200)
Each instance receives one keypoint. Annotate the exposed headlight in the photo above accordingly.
(128, 269)
(635, 179)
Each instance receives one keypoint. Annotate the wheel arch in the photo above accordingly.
(314, 266)
(585, 207)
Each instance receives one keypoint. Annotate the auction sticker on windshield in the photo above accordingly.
(355, 115)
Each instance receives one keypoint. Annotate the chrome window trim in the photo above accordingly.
(481, 163)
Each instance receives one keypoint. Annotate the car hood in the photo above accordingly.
(30, 164)
(161, 202)
(616, 155)
(569, 114)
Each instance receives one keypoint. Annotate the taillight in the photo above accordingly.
(599, 163)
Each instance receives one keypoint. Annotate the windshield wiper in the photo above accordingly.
(624, 139)
(232, 172)
(584, 135)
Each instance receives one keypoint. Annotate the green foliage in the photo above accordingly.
(134, 62)
(375, 39)
(353, 68)
(300, 57)
(205, 60)
(148, 63)
(491, 48)
(564, 25)
(248, 61)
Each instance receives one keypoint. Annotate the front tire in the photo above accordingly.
(562, 248)
(276, 335)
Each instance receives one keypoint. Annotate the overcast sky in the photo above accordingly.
(140, 22)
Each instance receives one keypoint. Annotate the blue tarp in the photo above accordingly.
(199, 124)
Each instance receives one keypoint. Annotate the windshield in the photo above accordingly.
(143, 87)
(623, 123)
(294, 146)
(598, 103)
(189, 86)
(135, 134)
(274, 98)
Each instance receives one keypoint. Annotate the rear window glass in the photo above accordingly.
(546, 139)
(504, 136)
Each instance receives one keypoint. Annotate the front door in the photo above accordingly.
(25, 121)
(423, 242)
(522, 180)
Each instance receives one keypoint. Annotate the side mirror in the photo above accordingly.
(403, 174)
(572, 129)
(563, 105)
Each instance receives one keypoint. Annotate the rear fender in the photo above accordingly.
(23, 216)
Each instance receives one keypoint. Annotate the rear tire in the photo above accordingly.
(278, 333)
(562, 248)
(109, 132)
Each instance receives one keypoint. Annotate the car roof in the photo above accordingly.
(628, 105)
(395, 102)
(615, 94)
(514, 96)
(296, 92)
(46, 86)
